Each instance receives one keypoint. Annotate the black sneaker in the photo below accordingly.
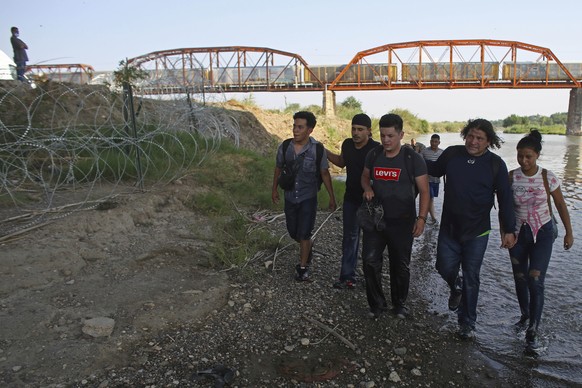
(466, 333)
(302, 273)
(401, 312)
(521, 324)
(455, 300)
(532, 346)
(376, 314)
(344, 285)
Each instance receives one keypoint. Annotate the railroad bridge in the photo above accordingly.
(418, 65)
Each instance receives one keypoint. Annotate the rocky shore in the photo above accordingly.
(275, 332)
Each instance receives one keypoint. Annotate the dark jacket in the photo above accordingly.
(19, 48)
(470, 185)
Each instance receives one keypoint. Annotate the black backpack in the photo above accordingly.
(408, 152)
(318, 157)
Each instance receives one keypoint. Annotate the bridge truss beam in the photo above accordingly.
(71, 72)
(455, 64)
(225, 69)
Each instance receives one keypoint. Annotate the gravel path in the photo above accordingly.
(275, 332)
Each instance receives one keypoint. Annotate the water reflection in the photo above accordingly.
(572, 164)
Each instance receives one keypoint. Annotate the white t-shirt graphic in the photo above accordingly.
(530, 198)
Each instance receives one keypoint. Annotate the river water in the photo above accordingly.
(560, 361)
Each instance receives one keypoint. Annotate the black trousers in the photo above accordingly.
(397, 237)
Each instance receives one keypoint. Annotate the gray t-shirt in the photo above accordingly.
(432, 155)
(306, 181)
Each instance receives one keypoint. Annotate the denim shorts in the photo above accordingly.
(300, 218)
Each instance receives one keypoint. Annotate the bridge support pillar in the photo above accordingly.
(574, 124)
(329, 102)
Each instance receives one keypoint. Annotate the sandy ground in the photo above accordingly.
(136, 263)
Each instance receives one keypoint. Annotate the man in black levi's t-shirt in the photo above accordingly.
(397, 174)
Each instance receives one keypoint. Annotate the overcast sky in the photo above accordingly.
(101, 33)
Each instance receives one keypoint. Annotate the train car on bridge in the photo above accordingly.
(361, 73)
(254, 77)
(223, 79)
(457, 71)
(538, 71)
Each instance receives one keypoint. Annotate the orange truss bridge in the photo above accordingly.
(418, 65)
(77, 73)
(432, 64)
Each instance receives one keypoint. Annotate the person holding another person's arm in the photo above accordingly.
(533, 186)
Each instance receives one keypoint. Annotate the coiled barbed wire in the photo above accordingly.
(63, 143)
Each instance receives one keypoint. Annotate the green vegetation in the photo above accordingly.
(447, 126)
(334, 135)
(127, 74)
(348, 108)
(235, 243)
(161, 154)
(412, 123)
(232, 180)
(554, 124)
(233, 176)
(249, 101)
(292, 108)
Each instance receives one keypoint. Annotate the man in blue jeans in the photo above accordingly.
(352, 157)
(301, 199)
(473, 176)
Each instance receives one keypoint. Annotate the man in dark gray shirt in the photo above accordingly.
(301, 198)
(20, 56)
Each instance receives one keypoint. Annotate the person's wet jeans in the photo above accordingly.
(530, 260)
(397, 236)
(350, 241)
(453, 255)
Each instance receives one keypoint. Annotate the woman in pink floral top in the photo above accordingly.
(531, 254)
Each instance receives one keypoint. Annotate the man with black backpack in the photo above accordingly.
(301, 166)
(393, 175)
